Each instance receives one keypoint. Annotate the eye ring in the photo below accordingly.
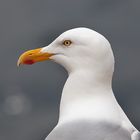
(67, 43)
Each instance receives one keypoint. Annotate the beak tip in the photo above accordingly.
(18, 63)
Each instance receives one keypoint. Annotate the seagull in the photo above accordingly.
(88, 108)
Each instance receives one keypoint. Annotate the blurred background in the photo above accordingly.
(30, 95)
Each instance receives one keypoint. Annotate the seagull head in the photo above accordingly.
(75, 49)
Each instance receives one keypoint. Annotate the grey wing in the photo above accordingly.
(82, 130)
(135, 135)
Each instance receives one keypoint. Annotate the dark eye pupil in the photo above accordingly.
(67, 42)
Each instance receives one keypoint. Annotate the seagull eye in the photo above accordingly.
(67, 43)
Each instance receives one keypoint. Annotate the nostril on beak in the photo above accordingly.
(31, 54)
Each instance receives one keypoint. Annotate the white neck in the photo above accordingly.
(85, 94)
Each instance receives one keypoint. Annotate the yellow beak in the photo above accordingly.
(33, 56)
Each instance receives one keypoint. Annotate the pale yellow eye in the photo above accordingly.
(67, 43)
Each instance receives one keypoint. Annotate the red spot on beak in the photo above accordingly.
(29, 62)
